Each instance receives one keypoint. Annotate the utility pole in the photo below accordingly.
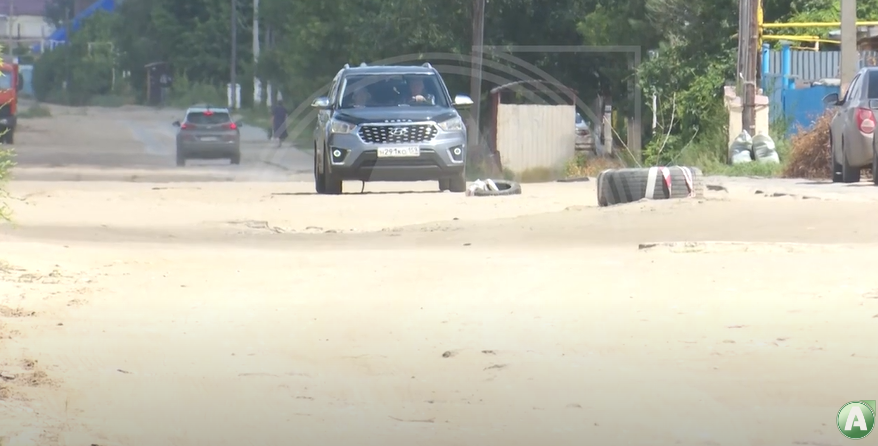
(476, 74)
(233, 84)
(754, 48)
(741, 68)
(848, 43)
(748, 59)
(257, 84)
(10, 26)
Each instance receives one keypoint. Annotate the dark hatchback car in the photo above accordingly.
(208, 133)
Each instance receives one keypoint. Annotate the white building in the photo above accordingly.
(23, 21)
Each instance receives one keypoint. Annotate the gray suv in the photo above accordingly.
(208, 132)
(389, 123)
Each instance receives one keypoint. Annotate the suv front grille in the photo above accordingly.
(397, 134)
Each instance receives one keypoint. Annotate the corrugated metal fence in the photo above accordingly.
(815, 65)
(533, 136)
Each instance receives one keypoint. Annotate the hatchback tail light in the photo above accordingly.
(185, 126)
(866, 120)
(232, 126)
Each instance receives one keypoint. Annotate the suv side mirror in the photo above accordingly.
(462, 100)
(321, 103)
(176, 123)
(831, 100)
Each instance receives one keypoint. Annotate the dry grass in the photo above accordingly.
(537, 175)
(581, 165)
(809, 152)
(590, 166)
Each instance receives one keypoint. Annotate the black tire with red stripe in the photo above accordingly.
(619, 186)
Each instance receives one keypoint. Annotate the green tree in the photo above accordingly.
(85, 66)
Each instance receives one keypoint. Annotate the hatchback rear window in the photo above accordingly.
(873, 84)
(208, 118)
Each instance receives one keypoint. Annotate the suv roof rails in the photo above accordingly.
(347, 65)
(364, 64)
(427, 65)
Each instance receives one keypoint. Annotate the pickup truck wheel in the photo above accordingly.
(457, 183)
(444, 184)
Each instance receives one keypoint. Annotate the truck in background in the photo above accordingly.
(10, 85)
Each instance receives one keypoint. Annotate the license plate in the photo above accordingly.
(396, 152)
(209, 138)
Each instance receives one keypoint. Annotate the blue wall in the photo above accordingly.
(802, 106)
(796, 107)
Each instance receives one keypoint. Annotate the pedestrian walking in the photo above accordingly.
(279, 122)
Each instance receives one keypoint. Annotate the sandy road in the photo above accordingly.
(137, 143)
(229, 313)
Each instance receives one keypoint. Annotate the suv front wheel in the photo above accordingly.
(332, 185)
(456, 183)
(319, 180)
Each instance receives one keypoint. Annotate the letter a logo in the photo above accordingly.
(856, 419)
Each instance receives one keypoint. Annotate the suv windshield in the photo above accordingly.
(392, 90)
(208, 118)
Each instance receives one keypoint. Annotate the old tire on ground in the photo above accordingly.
(602, 200)
(618, 186)
(506, 188)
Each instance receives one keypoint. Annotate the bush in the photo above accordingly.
(110, 100)
(809, 152)
(35, 111)
(6, 165)
(583, 165)
(73, 74)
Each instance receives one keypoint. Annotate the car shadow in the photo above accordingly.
(404, 192)
(830, 183)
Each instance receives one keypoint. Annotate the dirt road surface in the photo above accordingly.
(151, 305)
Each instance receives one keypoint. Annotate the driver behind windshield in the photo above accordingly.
(361, 97)
(418, 95)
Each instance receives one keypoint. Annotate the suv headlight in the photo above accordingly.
(337, 126)
(451, 124)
